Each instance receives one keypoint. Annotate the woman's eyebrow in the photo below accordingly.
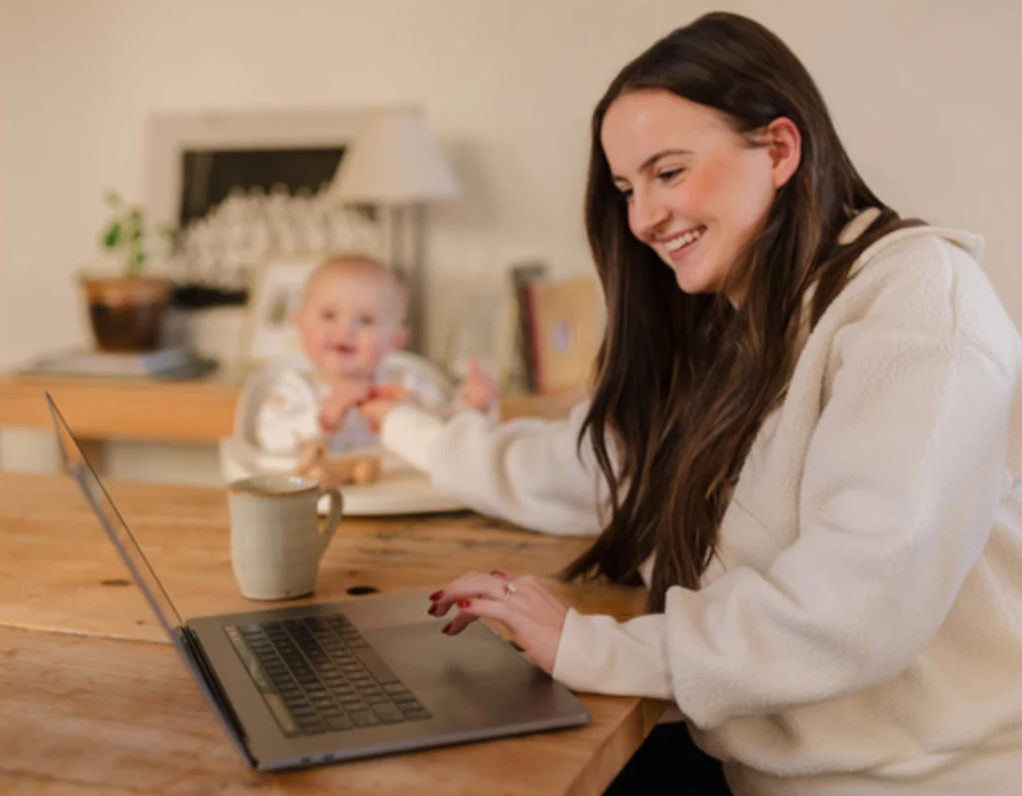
(651, 160)
(662, 154)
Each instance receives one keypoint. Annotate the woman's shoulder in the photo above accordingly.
(925, 280)
(933, 258)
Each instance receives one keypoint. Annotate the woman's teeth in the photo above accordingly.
(682, 241)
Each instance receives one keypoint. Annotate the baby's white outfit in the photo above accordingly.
(289, 415)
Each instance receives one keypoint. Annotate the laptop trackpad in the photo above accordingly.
(425, 658)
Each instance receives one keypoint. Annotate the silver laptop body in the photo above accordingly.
(312, 684)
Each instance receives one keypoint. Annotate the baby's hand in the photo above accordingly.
(344, 397)
(479, 390)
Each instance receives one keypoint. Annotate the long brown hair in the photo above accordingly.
(683, 382)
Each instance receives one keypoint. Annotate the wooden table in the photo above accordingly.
(94, 701)
(197, 410)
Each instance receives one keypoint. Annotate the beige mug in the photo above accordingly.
(276, 543)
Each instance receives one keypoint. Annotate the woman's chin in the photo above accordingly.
(691, 284)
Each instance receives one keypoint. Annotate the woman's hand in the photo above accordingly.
(479, 390)
(523, 605)
(379, 403)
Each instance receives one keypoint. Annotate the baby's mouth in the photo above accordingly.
(343, 349)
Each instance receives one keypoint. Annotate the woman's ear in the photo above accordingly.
(783, 141)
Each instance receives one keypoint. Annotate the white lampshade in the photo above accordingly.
(394, 161)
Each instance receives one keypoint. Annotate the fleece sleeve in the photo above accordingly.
(528, 471)
(902, 479)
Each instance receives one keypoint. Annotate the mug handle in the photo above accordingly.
(333, 518)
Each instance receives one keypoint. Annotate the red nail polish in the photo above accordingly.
(431, 610)
(436, 595)
(446, 628)
(498, 573)
(463, 603)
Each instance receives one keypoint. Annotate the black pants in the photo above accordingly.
(668, 762)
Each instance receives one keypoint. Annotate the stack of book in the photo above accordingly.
(178, 362)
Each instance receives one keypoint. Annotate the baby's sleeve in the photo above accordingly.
(288, 416)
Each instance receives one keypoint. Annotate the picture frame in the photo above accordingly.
(269, 331)
(271, 167)
(169, 136)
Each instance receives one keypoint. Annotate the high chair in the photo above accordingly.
(240, 455)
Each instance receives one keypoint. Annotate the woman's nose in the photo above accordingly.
(647, 214)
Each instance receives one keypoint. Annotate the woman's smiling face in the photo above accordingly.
(697, 191)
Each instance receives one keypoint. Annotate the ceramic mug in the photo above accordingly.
(276, 542)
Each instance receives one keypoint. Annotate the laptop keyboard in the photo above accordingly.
(317, 674)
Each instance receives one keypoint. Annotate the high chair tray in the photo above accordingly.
(400, 489)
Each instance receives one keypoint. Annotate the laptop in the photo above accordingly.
(304, 685)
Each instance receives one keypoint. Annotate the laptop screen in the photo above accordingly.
(80, 469)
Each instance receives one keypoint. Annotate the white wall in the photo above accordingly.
(925, 92)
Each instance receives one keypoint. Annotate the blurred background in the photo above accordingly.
(132, 96)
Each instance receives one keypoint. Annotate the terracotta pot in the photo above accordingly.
(127, 312)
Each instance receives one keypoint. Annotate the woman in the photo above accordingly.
(811, 451)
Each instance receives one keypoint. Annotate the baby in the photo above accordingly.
(351, 317)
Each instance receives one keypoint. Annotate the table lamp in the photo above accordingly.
(396, 164)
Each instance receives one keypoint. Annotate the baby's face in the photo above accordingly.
(349, 322)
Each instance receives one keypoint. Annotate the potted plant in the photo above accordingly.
(126, 310)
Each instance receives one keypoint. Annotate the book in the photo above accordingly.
(522, 275)
(563, 331)
(174, 362)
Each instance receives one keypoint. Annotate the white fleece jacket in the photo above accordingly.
(861, 630)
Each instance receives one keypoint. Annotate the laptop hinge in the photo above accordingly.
(191, 650)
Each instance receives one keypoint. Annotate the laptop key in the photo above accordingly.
(378, 667)
(364, 718)
(388, 713)
(339, 722)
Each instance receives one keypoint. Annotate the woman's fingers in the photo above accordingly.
(471, 586)
(534, 617)
(477, 609)
(375, 411)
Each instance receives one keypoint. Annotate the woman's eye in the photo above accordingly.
(627, 193)
(670, 174)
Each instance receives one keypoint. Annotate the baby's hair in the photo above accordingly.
(362, 264)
